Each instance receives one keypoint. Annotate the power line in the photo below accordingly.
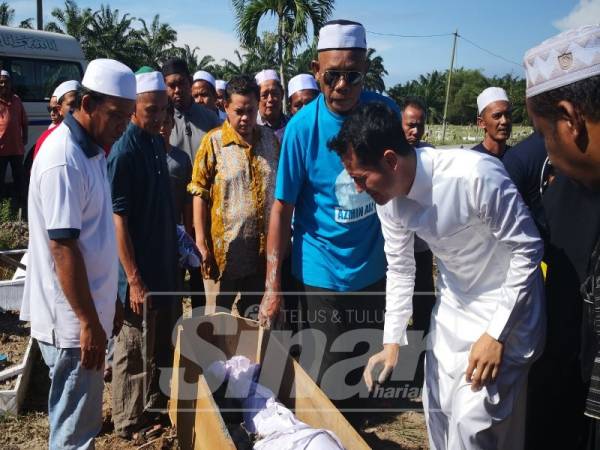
(489, 51)
(409, 35)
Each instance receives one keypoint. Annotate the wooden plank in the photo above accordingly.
(181, 410)
(174, 396)
(313, 407)
(283, 375)
(210, 431)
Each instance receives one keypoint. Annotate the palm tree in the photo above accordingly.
(188, 54)
(111, 36)
(72, 20)
(27, 23)
(254, 58)
(206, 63)
(156, 42)
(7, 14)
(301, 63)
(375, 72)
(293, 18)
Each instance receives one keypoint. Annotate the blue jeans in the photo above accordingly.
(75, 400)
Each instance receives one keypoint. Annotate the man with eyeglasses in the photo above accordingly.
(270, 102)
(53, 109)
(336, 230)
(64, 97)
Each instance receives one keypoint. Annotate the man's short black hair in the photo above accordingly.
(242, 85)
(83, 91)
(175, 66)
(370, 130)
(584, 94)
(415, 102)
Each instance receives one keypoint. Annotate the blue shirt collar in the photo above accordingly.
(81, 137)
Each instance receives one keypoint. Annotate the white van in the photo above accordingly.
(38, 61)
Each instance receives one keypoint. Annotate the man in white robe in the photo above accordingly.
(487, 325)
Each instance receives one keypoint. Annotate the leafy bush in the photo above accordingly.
(14, 233)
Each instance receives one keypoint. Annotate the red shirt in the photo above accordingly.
(41, 140)
(12, 121)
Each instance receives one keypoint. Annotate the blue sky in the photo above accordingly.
(507, 28)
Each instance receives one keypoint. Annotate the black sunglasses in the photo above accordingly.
(53, 108)
(332, 77)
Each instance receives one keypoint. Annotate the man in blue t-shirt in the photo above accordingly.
(337, 246)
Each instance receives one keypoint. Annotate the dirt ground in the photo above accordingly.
(382, 430)
(394, 430)
(14, 337)
(30, 429)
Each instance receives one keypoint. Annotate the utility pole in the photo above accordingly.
(40, 20)
(448, 87)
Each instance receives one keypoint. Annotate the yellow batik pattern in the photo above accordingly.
(238, 182)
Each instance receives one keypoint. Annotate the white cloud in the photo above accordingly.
(218, 44)
(587, 12)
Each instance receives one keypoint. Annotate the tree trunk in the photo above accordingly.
(281, 33)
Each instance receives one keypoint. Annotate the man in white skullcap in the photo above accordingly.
(64, 97)
(53, 110)
(302, 89)
(70, 294)
(335, 228)
(488, 322)
(147, 241)
(270, 105)
(221, 85)
(495, 118)
(204, 92)
(563, 94)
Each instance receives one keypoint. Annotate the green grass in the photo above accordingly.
(469, 135)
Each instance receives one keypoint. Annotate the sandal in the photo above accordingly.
(142, 435)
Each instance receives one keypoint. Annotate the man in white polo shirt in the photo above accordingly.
(71, 286)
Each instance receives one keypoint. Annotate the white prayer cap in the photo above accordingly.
(64, 87)
(300, 82)
(110, 77)
(490, 95)
(342, 34)
(563, 59)
(150, 82)
(204, 75)
(221, 85)
(266, 75)
(4, 73)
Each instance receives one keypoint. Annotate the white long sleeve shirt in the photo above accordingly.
(465, 207)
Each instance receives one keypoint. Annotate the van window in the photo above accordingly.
(34, 80)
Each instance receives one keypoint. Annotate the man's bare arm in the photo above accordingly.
(188, 219)
(202, 230)
(278, 239)
(137, 287)
(72, 276)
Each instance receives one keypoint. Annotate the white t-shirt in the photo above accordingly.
(69, 197)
